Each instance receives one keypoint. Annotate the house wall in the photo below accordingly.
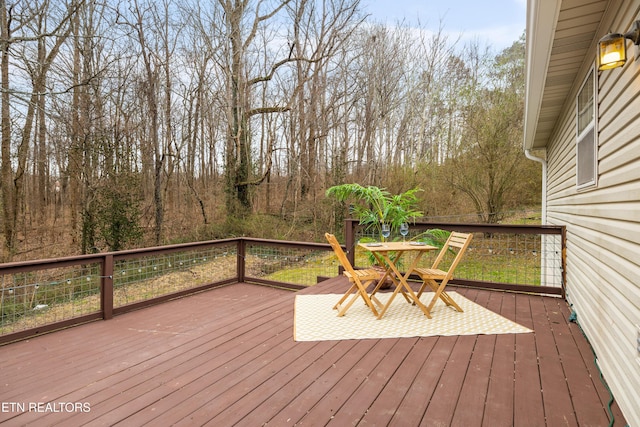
(603, 223)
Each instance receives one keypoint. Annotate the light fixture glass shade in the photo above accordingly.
(612, 51)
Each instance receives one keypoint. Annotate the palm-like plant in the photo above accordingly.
(433, 237)
(375, 206)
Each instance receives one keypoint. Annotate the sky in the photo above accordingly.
(497, 23)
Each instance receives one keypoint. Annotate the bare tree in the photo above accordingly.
(46, 27)
(489, 159)
(155, 54)
(8, 194)
(320, 31)
(188, 109)
(242, 20)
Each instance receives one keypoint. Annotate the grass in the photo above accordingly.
(306, 273)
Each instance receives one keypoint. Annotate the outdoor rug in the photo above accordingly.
(315, 319)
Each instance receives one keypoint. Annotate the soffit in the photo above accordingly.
(561, 35)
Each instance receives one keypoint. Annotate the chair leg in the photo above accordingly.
(377, 287)
(368, 300)
(360, 291)
(373, 297)
(441, 294)
(376, 301)
(345, 296)
(450, 301)
(343, 309)
(427, 282)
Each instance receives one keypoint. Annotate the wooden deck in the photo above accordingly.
(227, 357)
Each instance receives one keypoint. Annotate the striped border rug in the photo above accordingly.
(315, 320)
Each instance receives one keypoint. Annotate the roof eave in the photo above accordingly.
(542, 19)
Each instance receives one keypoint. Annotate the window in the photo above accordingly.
(586, 146)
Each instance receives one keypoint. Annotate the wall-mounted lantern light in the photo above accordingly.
(612, 48)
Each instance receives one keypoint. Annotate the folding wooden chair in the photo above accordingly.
(359, 280)
(458, 243)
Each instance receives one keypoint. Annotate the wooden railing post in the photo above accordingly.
(241, 259)
(106, 300)
(350, 243)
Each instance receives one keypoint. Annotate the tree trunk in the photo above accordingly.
(6, 172)
(238, 151)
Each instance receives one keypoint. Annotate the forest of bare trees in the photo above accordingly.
(142, 122)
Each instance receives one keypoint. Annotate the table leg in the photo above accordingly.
(401, 286)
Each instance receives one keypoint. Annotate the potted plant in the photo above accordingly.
(374, 206)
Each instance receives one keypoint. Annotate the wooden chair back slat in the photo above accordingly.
(430, 276)
(359, 279)
(337, 249)
(461, 242)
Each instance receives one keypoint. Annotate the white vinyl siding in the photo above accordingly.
(603, 224)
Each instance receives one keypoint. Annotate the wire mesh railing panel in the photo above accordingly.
(148, 277)
(294, 265)
(36, 298)
(531, 259)
(496, 257)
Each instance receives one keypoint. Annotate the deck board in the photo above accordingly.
(476, 383)
(446, 397)
(421, 395)
(394, 399)
(367, 399)
(552, 378)
(579, 379)
(227, 357)
(528, 403)
(474, 389)
(500, 392)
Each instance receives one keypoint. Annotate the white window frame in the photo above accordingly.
(587, 129)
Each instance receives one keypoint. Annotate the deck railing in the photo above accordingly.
(523, 258)
(44, 295)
